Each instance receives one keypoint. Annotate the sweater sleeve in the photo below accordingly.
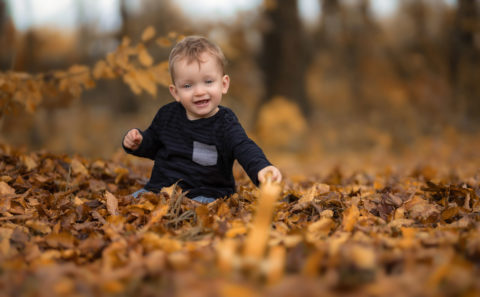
(245, 150)
(150, 142)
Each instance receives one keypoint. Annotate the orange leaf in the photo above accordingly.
(260, 229)
(350, 217)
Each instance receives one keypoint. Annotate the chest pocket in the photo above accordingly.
(204, 154)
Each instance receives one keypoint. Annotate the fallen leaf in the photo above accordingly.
(112, 203)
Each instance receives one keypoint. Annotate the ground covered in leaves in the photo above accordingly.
(69, 228)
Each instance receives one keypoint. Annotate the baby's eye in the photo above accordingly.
(186, 86)
(209, 81)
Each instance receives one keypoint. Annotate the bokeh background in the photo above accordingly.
(311, 79)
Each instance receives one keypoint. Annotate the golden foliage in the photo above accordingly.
(133, 63)
(68, 226)
(285, 120)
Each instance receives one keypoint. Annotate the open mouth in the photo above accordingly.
(202, 102)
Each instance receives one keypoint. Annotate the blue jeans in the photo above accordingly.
(201, 199)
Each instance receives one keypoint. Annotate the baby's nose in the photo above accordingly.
(199, 90)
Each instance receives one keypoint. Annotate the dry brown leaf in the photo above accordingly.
(112, 203)
(5, 189)
(38, 226)
(29, 162)
(78, 168)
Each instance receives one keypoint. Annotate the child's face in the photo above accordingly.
(199, 87)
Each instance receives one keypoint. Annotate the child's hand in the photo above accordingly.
(275, 174)
(133, 139)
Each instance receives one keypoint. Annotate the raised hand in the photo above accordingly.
(133, 139)
(271, 172)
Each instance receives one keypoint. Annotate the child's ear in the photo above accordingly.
(173, 91)
(225, 83)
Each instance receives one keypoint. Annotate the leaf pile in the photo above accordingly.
(69, 228)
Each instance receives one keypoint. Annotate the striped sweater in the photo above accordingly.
(198, 154)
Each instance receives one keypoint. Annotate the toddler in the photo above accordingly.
(194, 140)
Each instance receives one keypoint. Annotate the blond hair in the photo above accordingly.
(192, 47)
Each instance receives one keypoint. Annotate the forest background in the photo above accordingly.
(373, 118)
(349, 82)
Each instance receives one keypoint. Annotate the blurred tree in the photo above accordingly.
(356, 32)
(464, 60)
(330, 23)
(7, 37)
(126, 103)
(284, 56)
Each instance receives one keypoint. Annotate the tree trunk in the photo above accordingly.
(284, 59)
(464, 59)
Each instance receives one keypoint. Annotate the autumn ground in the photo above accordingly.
(345, 224)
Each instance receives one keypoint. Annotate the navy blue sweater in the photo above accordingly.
(198, 154)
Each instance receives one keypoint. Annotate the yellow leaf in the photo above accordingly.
(144, 57)
(131, 80)
(148, 33)
(161, 74)
(102, 70)
(146, 80)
